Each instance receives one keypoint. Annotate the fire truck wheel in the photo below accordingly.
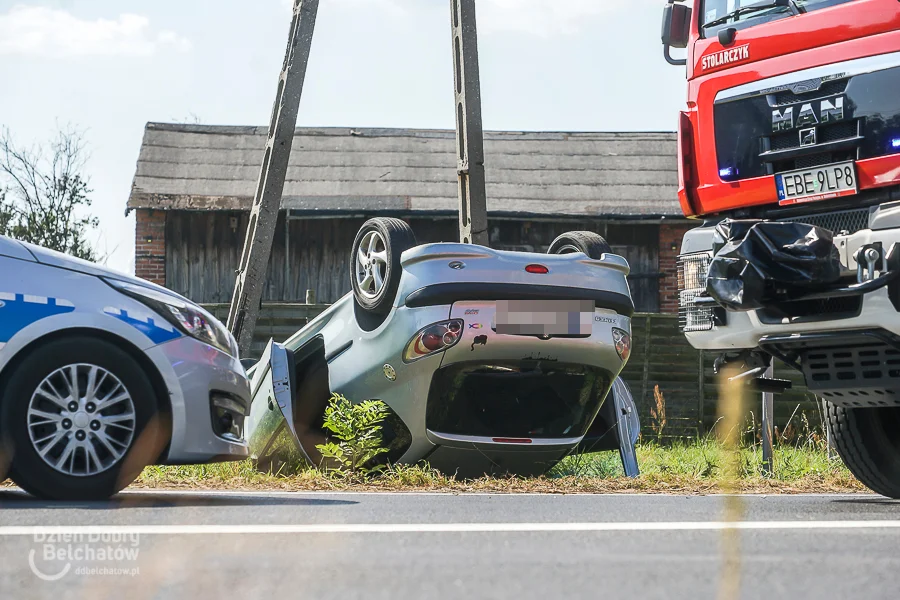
(588, 242)
(868, 440)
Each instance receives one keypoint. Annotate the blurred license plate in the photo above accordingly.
(545, 317)
(820, 183)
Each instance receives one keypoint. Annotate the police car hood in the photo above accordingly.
(64, 261)
(14, 249)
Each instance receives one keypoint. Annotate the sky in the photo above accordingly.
(107, 67)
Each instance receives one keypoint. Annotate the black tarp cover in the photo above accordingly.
(757, 263)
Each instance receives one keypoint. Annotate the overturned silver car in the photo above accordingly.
(489, 361)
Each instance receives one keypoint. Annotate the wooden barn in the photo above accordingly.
(194, 185)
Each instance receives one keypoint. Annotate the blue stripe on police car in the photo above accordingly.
(18, 311)
(159, 333)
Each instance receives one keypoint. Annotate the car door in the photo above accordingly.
(628, 426)
(270, 429)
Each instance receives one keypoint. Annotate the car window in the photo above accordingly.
(716, 9)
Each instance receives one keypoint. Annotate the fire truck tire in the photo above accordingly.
(588, 242)
(868, 440)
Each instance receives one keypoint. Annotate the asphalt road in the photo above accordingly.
(397, 546)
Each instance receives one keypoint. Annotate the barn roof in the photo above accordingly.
(406, 171)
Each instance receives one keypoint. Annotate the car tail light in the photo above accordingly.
(623, 343)
(537, 269)
(433, 339)
(687, 166)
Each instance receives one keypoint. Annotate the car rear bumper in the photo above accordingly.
(503, 446)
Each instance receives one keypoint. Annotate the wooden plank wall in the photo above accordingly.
(277, 321)
(203, 250)
(660, 357)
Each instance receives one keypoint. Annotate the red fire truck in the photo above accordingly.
(789, 156)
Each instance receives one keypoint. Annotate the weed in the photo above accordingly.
(357, 429)
(658, 414)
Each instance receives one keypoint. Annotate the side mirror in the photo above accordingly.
(676, 26)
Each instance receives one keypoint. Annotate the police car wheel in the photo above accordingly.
(79, 417)
(375, 262)
(588, 242)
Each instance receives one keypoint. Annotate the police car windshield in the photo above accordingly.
(741, 13)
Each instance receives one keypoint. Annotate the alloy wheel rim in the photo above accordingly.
(81, 420)
(371, 265)
(568, 249)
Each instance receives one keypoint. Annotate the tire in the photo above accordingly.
(379, 259)
(133, 432)
(868, 441)
(588, 242)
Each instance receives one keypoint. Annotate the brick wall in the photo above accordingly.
(150, 245)
(670, 235)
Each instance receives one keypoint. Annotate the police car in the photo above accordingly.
(102, 374)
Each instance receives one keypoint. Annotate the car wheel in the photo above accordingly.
(588, 242)
(375, 262)
(868, 440)
(77, 413)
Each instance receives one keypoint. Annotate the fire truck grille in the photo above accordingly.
(829, 88)
(834, 132)
(814, 160)
(849, 221)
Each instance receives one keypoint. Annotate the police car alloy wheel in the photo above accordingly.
(75, 411)
(81, 420)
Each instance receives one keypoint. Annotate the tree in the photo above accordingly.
(6, 213)
(46, 192)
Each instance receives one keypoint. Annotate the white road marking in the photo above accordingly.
(337, 528)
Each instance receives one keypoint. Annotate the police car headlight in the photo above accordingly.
(189, 318)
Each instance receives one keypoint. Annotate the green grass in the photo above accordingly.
(685, 467)
(705, 460)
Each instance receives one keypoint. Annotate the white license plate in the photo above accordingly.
(820, 183)
(573, 318)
